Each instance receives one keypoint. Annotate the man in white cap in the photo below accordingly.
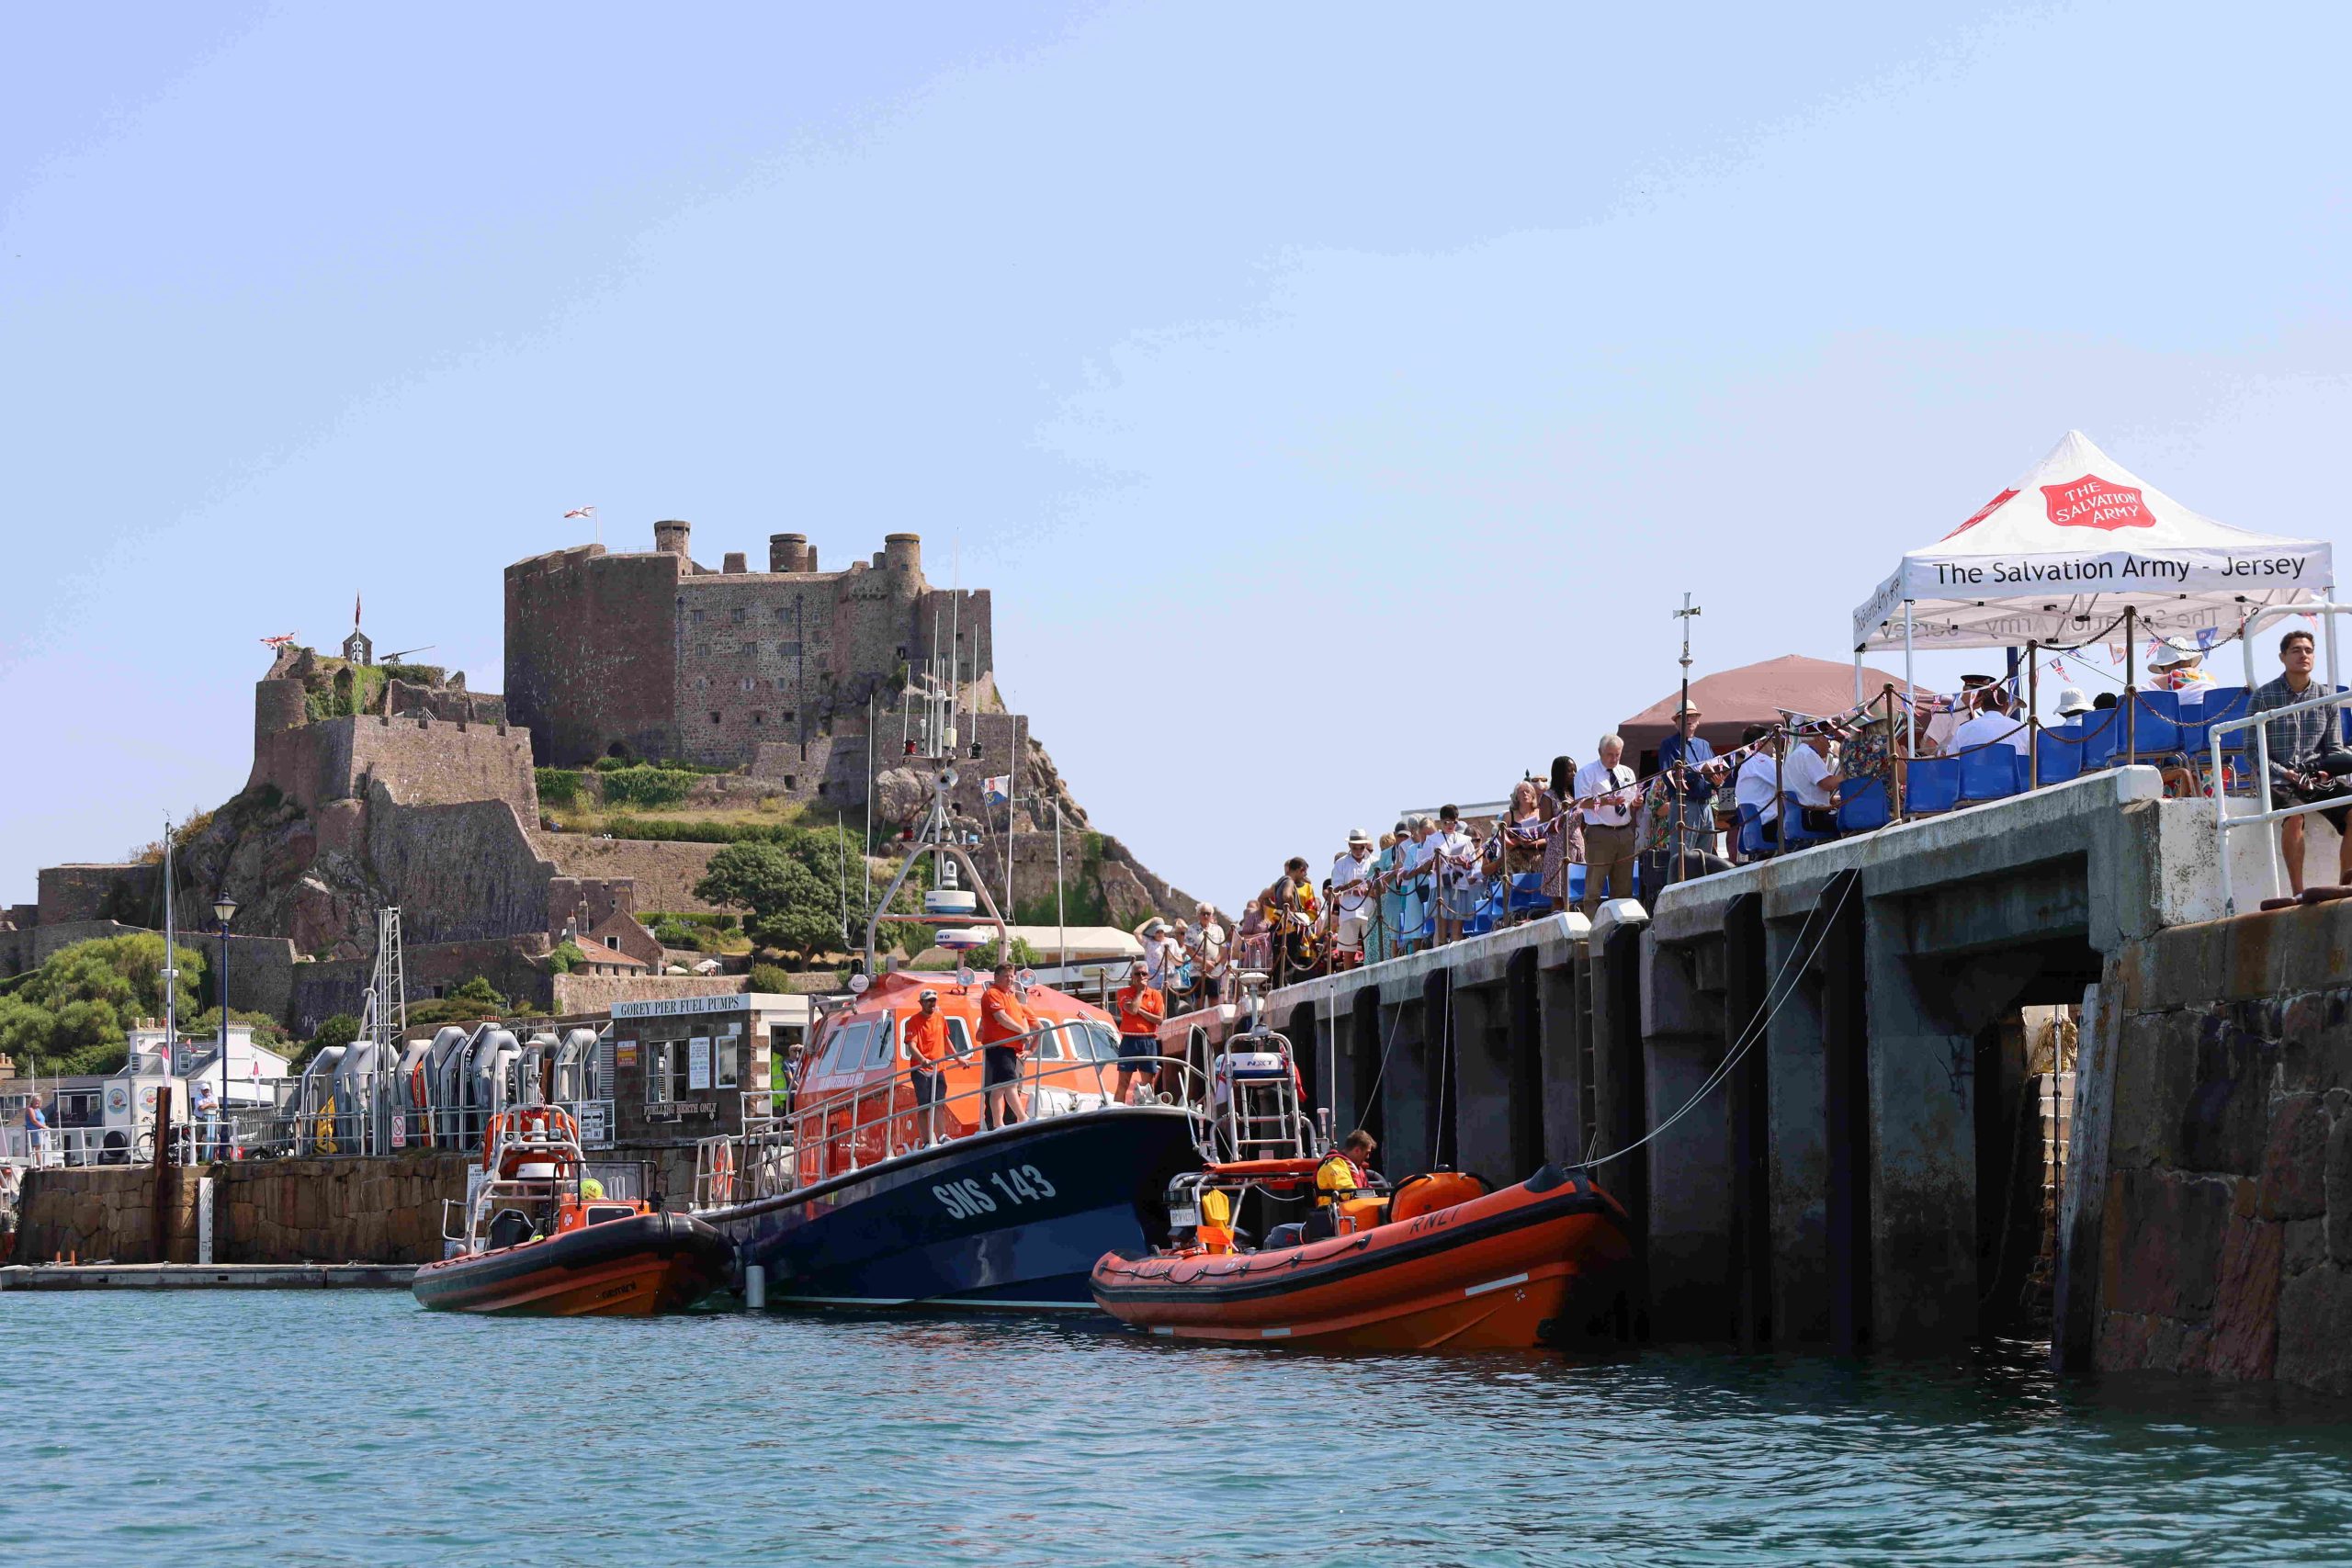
(1352, 896)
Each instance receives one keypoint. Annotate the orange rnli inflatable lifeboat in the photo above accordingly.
(1440, 1262)
(541, 1239)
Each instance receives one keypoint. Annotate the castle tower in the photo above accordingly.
(670, 537)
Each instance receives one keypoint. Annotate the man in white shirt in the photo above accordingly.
(1938, 740)
(1352, 896)
(1991, 724)
(1606, 794)
(1758, 784)
(1812, 780)
(1209, 960)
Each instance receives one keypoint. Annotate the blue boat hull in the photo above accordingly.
(1014, 1218)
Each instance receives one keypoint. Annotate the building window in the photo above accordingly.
(758, 718)
(789, 715)
(902, 652)
(714, 718)
(702, 683)
(614, 942)
(697, 615)
(661, 1073)
(729, 1050)
(790, 782)
(702, 650)
(736, 614)
(787, 650)
(783, 612)
(747, 684)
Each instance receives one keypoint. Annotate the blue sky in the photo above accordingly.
(1368, 381)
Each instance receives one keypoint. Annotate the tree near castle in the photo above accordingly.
(73, 1014)
(790, 907)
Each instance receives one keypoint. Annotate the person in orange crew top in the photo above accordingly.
(928, 1048)
(1005, 1028)
(1141, 1008)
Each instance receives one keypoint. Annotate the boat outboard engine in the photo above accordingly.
(354, 1097)
(488, 1080)
(444, 1079)
(412, 1096)
(533, 1068)
(314, 1102)
(574, 1061)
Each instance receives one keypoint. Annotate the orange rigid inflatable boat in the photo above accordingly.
(542, 1240)
(1442, 1263)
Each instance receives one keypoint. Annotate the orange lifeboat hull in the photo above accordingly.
(632, 1267)
(1539, 1263)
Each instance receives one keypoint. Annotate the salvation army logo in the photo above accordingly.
(1984, 511)
(2092, 502)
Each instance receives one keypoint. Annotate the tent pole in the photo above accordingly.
(2327, 625)
(2130, 692)
(1857, 681)
(2245, 648)
(2032, 712)
(1910, 684)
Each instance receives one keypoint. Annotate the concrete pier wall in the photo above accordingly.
(1821, 1060)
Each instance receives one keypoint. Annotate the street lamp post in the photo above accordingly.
(223, 908)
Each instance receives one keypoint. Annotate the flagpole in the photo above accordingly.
(1061, 925)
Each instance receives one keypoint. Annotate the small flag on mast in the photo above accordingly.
(998, 790)
(582, 512)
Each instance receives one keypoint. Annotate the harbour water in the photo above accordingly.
(351, 1428)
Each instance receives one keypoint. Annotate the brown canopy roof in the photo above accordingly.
(1731, 699)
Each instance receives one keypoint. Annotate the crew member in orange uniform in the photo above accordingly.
(927, 1049)
(1141, 1008)
(1005, 1027)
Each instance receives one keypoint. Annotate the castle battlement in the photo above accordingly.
(651, 654)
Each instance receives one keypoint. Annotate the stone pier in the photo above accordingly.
(1818, 1065)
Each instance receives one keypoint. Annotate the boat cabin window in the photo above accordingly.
(847, 1049)
(884, 1038)
(599, 1213)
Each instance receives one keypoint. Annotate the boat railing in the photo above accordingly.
(857, 1128)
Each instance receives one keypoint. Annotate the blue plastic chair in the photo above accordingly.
(1794, 834)
(1865, 809)
(1989, 772)
(2101, 735)
(2197, 733)
(1930, 784)
(2061, 754)
(1576, 884)
(1751, 832)
(1526, 894)
(2157, 733)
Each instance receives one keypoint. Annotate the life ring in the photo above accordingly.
(722, 1173)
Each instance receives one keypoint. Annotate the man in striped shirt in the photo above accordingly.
(2308, 761)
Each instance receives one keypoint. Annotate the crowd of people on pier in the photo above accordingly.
(1587, 832)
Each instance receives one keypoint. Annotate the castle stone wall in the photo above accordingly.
(424, 761)
(513, 965)
(592, 642)
(68, 893)
(664, 874)
(459, 872)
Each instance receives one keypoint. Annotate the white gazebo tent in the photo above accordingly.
(2077, 544)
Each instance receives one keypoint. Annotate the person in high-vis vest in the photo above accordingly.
(1344, 1172)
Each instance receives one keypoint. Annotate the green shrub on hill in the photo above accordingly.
(558, 786)
(648, 787)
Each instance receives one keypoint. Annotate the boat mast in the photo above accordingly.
(936, 837)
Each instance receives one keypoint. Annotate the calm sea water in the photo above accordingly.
(355, 1428)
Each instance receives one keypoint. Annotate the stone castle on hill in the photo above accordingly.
(394, 783)
(648, 654)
